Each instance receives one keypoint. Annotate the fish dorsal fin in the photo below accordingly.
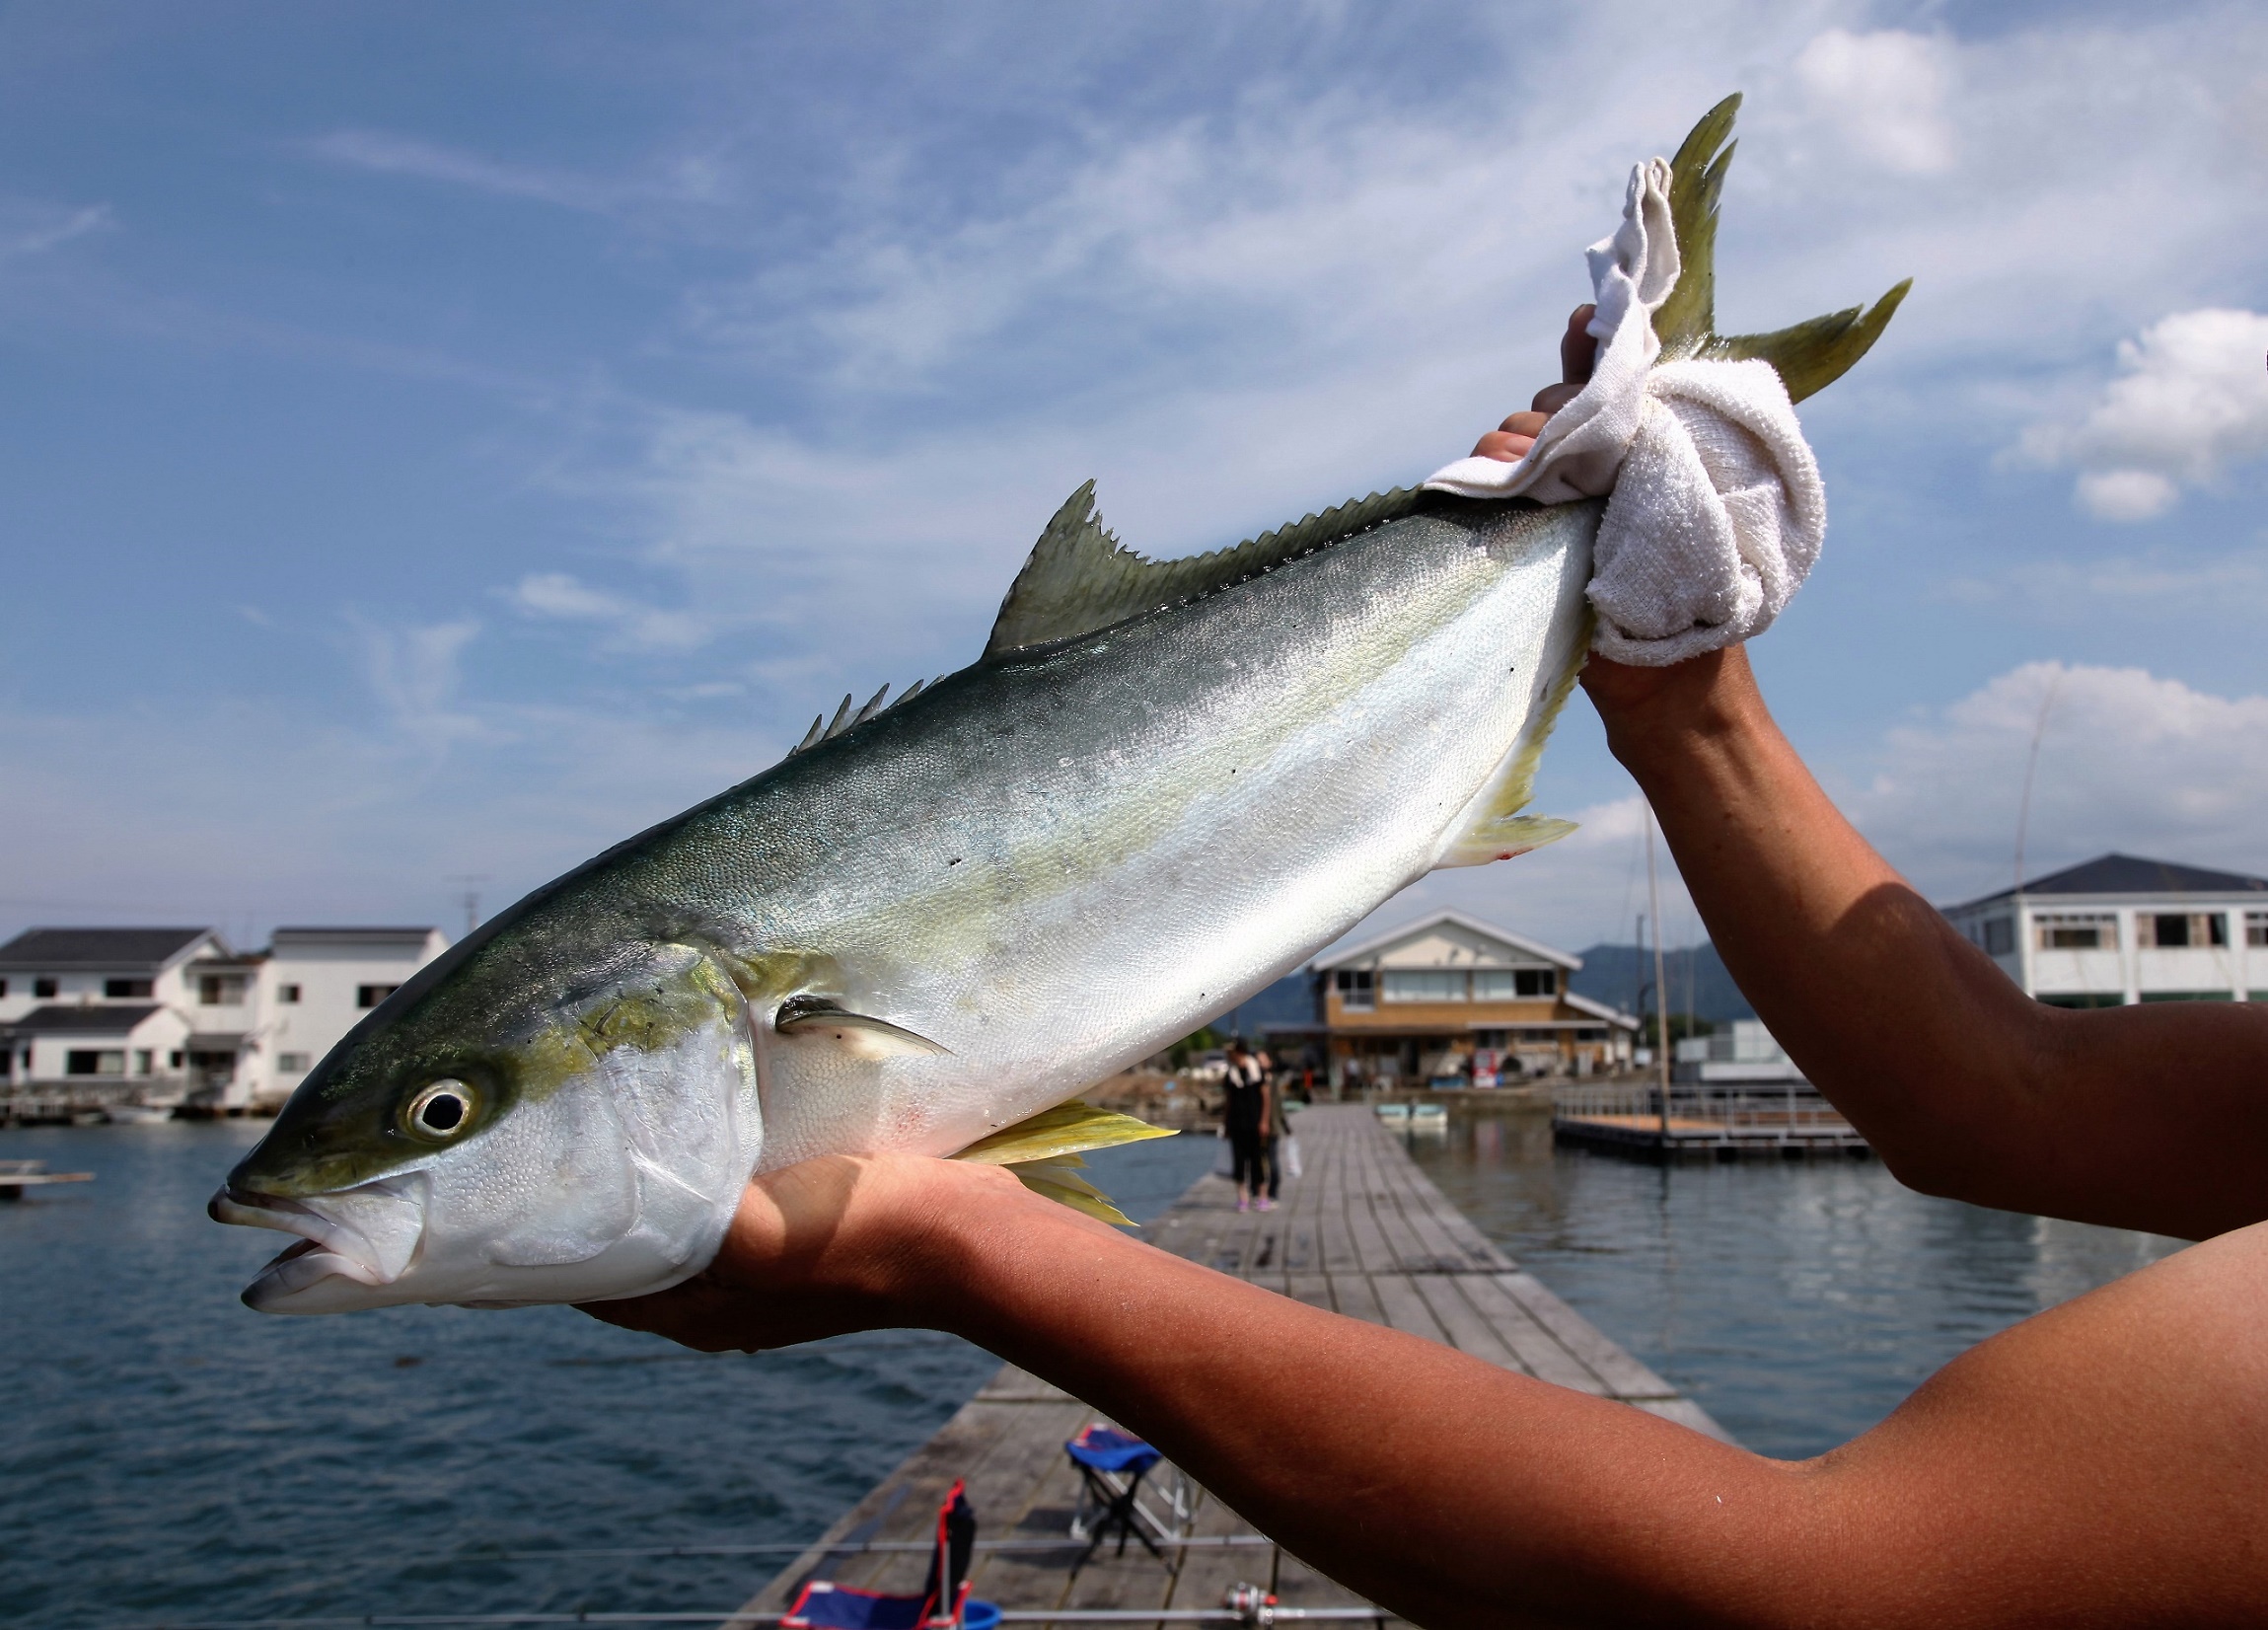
(1081, 578)
(1807, 356)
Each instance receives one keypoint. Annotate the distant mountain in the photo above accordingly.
(1696, 977)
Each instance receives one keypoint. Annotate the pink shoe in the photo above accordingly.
(1265, 1204)
(1242, 1203)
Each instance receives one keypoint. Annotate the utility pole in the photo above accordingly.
(470, 898)
(1660, 989)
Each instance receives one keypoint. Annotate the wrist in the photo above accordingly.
(1655, 712)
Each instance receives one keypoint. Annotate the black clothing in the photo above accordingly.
(1244, 1111)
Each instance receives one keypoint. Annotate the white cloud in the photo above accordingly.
(2190, 401)
(1886, 94)
(2130, 761)
(2196, 588)
(634, 626)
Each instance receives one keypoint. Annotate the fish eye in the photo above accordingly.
(441, 1111)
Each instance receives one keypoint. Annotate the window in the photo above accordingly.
(3, 987)
(220, 990)
(143, 1058)
(370, 995)
(2000, 937)
(2255, 933)
(291, 1063)
(43, 987)
(2173, 931)
(1355, 988)
(287, 993)
(2078, 932)
(1589, 1034)
(1536, 981)
(174, 1059)
(1533, 1033)
(108, 1060)
(126, 989)
(1411, 984)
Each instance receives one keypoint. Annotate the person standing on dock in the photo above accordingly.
(2103, 1464)
(1248, 1115)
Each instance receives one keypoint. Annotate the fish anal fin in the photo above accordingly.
(1056, 1180)
(1079, 579)
(1067, 1129)
(1503, 837)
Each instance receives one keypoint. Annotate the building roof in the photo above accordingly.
(113, 1018)
(1471, 924)
(2132, 874)
(48, 950)
(318, 936)
(1599, 1009)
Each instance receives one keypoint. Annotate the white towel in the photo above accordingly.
(1718, 510)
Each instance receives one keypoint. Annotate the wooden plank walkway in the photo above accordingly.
(1364, 1233)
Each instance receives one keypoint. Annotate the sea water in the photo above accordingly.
(167, 1455)
(1796, 1301)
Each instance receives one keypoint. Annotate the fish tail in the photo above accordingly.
(1807, 356)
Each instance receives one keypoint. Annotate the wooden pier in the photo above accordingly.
(18, 1175)
(1362, 1232)
(1761, 1123)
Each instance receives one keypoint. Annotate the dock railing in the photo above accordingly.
(1764, 1117)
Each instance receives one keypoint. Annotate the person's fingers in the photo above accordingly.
(1525, 424)
(1552, 397)
(1577, 349)
(1502, 446)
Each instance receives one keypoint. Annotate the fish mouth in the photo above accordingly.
(365, 1236)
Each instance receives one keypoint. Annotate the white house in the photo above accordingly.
(1743, 1053)
(2119, 929)
(320, 983)
(173, 1016)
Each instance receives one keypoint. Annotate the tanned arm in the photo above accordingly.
(2146, 1117)
(2100, 1465)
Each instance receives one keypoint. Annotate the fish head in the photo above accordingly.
(520, 1123)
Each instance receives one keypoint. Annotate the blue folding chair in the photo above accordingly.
(1111, 1464)
(943, 1604)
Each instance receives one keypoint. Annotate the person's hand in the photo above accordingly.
(838, 1243)
(1509, 442)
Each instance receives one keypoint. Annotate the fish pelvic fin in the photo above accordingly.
(1080, 579)
(1043, 1151)
(1807, 356)
(1506, 837)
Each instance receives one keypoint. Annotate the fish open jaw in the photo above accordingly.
(365, 1236)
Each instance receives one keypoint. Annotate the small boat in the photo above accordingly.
(1392, 1112)
(137, 1114)
(1428, 1117)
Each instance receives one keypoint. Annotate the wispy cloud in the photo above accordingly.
(414, 672)
(395, 155)
(631, 624)
(30, 229)
(1886, 94)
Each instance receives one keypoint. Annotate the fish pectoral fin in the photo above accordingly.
(860, 1033)
(1504, 839)
(1066, 1128)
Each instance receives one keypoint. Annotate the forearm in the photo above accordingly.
(1964, 1084)
(1443, 1487)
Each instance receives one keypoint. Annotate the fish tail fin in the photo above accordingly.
(1044, 1150)
(1807, 356)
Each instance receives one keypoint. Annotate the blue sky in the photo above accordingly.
(440, 440)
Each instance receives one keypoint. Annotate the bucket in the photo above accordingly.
(980, 1615)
